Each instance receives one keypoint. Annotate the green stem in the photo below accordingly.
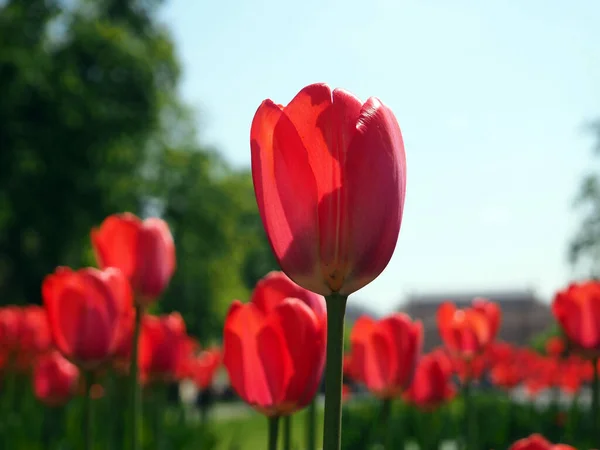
(88, 411)
(273, 432)
(386, 421)
(136, 407)
(160, 402)
(595, 398)
(470, 416)
(332, 432)
(311, 426)
(8, 413)
(287, 432)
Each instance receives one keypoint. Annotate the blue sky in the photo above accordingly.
(491, 97)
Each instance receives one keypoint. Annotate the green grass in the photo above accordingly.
(250, 433)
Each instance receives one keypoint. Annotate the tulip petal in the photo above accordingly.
(157, 264)
(276, 286)
(407, 338)
(241, 359)
(374, 185)
(115, 242)
(301, 330)
(326, 123)
(274, 356)
(280, 167)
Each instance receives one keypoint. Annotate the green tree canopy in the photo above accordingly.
(585, 247)
(90, 125)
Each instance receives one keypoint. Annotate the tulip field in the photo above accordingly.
(95, 368)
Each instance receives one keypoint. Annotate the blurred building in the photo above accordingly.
(355, 309)
(524, 315)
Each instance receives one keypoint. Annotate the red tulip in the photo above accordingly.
(86, 309)
(204, 367)
(385, 353)
(432, 385)
(275, 287)
(570, 375)
(330, 178)
(465, 332)
(492, 312)
(143, 250)
(34, 335)
(346, 393)
(164, 347)
(348, 367)
(506, 375)
(469, 369)
(577, 310)
(274, 358)
(10, 323)
(54, 379)
(555, 346)
(538, 442)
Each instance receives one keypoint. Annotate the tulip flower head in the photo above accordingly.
(274, 357)
(10, 327)
(86, 310)
(330, 177)
(143, 250)
(385, 353)
(465, 332)
(538, 442)
(55, 380)
(492, 313)
(165, 347)
(577, 310)
(555, 346)
(204, 367)
(432, 382)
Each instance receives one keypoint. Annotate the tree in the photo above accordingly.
(81, 95)
(90, 125)
(584, 249)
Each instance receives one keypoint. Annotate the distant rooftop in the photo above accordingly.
(499, 296)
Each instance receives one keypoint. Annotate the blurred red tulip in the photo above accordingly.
(432, 383)
(34, 336)
(86, 309)
(10, 324)
(274, 358)
(55, 379)
(492, 312)
(143, 250)
(204, 367)
(275, 287)
(465, 332)
(346, 393)
(506, 375)
(164, 347)
(538, 442)
(385, 353)
(348, 367)
(577, 310)
(330, 178)
(555, 346)
(469, 369)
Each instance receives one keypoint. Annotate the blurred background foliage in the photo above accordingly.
(91, 124)
(584, 250)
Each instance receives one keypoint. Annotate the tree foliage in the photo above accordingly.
(90, 125)
(584, 249)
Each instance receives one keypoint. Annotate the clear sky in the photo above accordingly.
(491, 96)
